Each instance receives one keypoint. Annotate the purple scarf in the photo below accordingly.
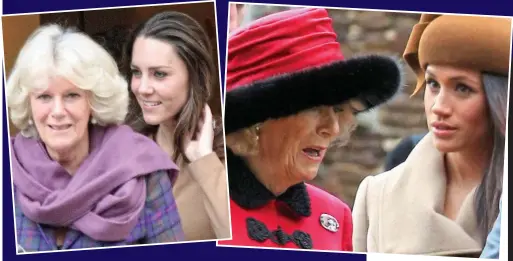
(106, 195)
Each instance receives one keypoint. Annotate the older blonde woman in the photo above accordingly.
(290, 96)
(80, 178)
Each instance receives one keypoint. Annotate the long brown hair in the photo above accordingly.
(489, 192)
(192, 46)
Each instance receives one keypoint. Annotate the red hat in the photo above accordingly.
(291, 61)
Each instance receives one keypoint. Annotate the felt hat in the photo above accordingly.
(290, 61)
(472, 42)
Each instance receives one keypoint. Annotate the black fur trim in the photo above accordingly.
(249, 193)
(372, 79)
(259, 232)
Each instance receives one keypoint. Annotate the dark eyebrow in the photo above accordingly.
(463, 78)
(430, 73)
(160, 67)
(454, 78)
(153, 67)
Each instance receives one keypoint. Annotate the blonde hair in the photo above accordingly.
(53, 50)
(244, 142)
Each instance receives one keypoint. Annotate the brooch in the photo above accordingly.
(329, 222)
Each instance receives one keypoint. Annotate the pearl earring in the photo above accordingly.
(94, 121)
(30, 122)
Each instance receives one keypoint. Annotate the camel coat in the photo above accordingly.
(400, 211)
(201, 195)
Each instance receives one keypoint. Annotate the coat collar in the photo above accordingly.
(425, 229)
(249, 193)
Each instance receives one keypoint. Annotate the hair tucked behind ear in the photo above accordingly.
(489, 192)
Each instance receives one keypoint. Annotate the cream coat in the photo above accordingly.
(400, 211)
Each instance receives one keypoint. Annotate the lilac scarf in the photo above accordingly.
(106, 195)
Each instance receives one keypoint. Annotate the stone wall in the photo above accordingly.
(363, 32)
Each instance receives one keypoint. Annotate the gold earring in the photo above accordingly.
(257, 130)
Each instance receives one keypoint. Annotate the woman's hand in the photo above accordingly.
(202, 144)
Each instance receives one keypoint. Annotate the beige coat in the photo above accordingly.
(202, 199)
(400, 211)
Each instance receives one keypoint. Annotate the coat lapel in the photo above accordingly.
(249, 193)
(413, 203)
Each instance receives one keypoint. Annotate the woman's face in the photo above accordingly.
(295, 146)
(456, 108)
(61, 115)
(159, 80)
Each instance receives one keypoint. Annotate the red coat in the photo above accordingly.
(292, 220)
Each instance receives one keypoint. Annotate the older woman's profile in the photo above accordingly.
(286, 104)
(81, 179)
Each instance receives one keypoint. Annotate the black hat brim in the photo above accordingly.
(371, 79)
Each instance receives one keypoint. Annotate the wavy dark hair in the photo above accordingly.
(489, 191)
(192, 45)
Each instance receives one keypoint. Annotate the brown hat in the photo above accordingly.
(474, 42)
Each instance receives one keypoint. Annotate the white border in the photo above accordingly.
(222, 93)
(503, 255)
(222, 113)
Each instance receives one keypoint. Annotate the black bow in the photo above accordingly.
(258, 231)
(249, 193)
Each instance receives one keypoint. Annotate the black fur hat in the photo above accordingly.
(290, 61)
